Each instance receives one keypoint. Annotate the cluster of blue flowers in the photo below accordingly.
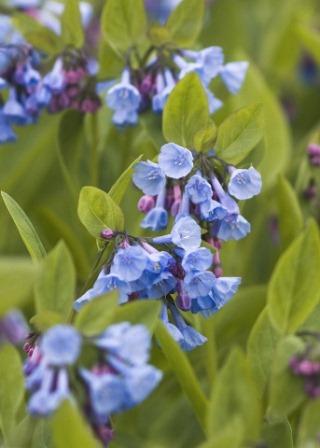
(150, 86)
(120, 379)
(24, 92)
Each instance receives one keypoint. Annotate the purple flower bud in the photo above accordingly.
(106, 234)
(146, 203)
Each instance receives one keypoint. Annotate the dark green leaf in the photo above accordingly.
(186, 111)
(25, 228)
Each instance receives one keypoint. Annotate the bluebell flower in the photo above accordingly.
(213, 102)
(31, 77)
(149, 177)
(197, 260)
(233, 75)
(130, 343)
(55, 80)
(140, 382)
(157, 218)
(175, 161)
(212, 210)
(199, 284)
(186, 234)
(61, 345)
(129, 263)
(164, 85)
(124, 98)
(244, 184)
(53, 391)
(125, 117)
(233, 227)
(6, 132)
(13, 110)
(210, 59)
(199, 189)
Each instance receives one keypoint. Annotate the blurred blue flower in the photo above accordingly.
(233, 75)
(61, 345)
(129, 263)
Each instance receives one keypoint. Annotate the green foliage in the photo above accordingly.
(240, 133)
(55, 287)
(278, 434)
(184, 23)
(97, 211)
(11, 388)
(120, 187)
(25, 228)
(186, 112)
(295, 284)
(124, 23)
(70, 429)
(71, 24)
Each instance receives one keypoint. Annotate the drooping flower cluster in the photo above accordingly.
(24, 92)
(181, 276)
(150, 86)
(201, 185)
(13, 328)
(119, 379)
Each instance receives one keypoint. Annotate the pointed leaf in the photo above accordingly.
(119, 188)
(71, 24)
(185, 22)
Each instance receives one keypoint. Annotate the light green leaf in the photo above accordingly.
(95, 316)
(17, 277)
(294, 288)
(205, 138)
(70, 429)
(308, 434)
(183, 370)
(290, 214)
(234, 395)
(36, 34)
(310, 39)
(11, 388)
(71, 24)
(186, 111)
(230, 437)
(145, 312)
(46, 319)
(261, 347)
(55, 287)
(240, 133)
(278, 434)
(97, 211)
(286, 389)
(124, 23)
(119, 188)
(185, 22)
(25, 228)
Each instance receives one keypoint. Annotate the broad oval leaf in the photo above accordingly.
(240, 133)
(71, 24)
(55, 287)
(25, 228)
(98, 211)
(124, 23)
(186, 111)
(185, 22)
(294, 288)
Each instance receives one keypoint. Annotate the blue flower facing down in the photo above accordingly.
(210, 60)
(61, 345)
(244, 184)
(199, 284)
(233, 227)
(233, 75)
(129, 263)
(175, 161)
(149, 177)
(199, 189)
(156, 219)
(197, 260)
(212, 210)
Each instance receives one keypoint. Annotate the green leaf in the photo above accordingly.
(70, 429)
(11, 387)
(240, 133)
(185, 22)
(205, 138)
(95, 316)
(46, 319)
(25, 228)
(186, 111)
(278, 434)
(290, 214)
(17, 277)
(310, 39)
(71, 24)
(145, 312)
(286, 389)
(234, 395)
(97, 211)
(119, 188)
(294, 288)
(261, 347)
(55, 287)
(124, 23)
(183, 370)
(230, 437)
(36, 34)
(308, 434)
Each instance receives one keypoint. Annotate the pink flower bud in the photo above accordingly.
(146, 203)
(106, 234)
